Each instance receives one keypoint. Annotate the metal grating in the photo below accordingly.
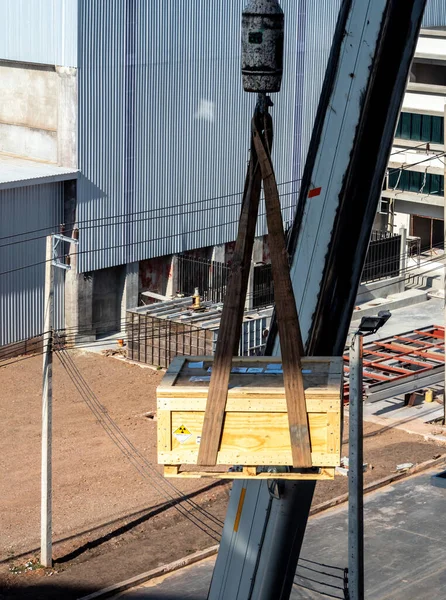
(401, 363)
(161, 331)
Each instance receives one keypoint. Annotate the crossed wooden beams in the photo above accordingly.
(259, 168)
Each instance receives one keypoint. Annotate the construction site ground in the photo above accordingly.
(109, 522)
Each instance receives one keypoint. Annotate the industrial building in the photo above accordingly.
(413, 197)
(127, 120)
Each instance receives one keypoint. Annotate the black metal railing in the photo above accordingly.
(263, 288)
(383, 257)
(209, 276)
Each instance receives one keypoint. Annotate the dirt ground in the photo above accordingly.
(109, 522)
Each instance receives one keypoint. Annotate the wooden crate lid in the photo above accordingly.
(190, 376)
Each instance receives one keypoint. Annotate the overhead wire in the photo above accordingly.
(128, 214)
(408, 148)
(406, 167)
(137, 452)
(130, 245)
(131, 452)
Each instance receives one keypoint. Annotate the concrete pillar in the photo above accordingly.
(257, 257)
(218, 253)
(172, 276)
(67, 117)
(130, 296)
(78, 303)
(78, 286)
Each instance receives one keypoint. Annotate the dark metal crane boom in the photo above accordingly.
(372, 50)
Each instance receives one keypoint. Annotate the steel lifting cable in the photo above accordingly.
(101, 409)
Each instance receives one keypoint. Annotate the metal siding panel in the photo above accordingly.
(39, 31)
(317, 25)
(164, 127)
(21, 293)
(435, 14)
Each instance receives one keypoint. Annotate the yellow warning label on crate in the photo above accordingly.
(182, 434)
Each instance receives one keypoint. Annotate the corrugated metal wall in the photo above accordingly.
(435, 14)
(21, 292)
(39, 31)
(316, 25)
(164, 126)
(164, 123)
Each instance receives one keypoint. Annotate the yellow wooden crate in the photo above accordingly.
(255, 431)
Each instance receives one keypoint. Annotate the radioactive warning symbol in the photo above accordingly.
(182, 434)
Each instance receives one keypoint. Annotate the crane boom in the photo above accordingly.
(372, 50)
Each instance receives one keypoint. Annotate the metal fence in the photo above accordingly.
(383, 257)
(209, 276)
(263, 289)
(158, 333)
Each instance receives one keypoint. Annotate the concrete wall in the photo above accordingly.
(380, 289)
(38, 112)
(422, 209)
(108, 290)
(401, 220)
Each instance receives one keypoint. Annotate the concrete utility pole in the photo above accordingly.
(47, 409)
(355, 473)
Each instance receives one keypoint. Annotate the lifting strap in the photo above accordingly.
(260, 167)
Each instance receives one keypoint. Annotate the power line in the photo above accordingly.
(138, 460)
(147, 241)
(121, 215)
(409, 148)
(408, 167)
(139, 221)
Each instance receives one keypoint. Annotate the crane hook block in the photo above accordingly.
(262, 46)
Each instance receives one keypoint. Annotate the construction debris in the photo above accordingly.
(404, 466)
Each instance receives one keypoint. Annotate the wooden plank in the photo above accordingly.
(250, 471)
(324, 474)
(249, 432)
(240, 404)
(334, 433)
(173, 371)
(164, 428)
(287, 320)
(171, 470)
(247, 439)
(179, 456)
(232, 316)
(331, 390)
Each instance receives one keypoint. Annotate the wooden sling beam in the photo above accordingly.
(232, 317)
(287, 318)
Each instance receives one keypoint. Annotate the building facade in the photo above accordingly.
(413, 197)
(141, 106)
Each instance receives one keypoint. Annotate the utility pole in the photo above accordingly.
(355, 473)
(47, 410)
(51, 260)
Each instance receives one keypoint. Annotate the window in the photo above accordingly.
(420, 128)
(413, 181)
(427, 73)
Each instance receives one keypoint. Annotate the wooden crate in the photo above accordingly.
(255, 432)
